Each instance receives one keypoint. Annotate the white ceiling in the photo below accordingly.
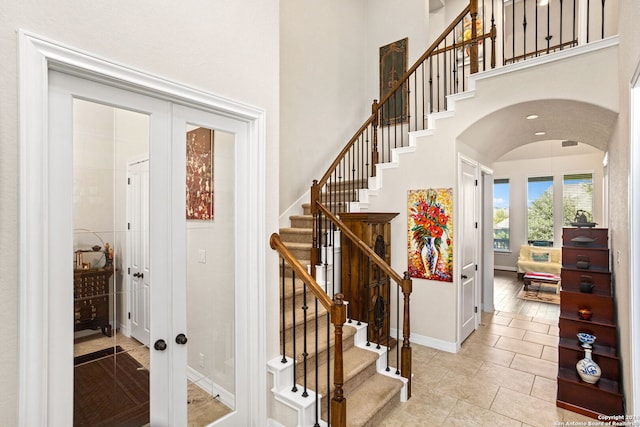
(504, 130)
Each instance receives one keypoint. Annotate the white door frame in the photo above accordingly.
(634, 237)
(36, 57)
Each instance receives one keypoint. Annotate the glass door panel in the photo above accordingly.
(110, 266)
(210, 275)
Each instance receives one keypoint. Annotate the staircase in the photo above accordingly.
(323, 355)
(370, 393)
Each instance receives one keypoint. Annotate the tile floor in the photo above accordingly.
(504, 375)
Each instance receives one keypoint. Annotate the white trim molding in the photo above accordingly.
(37, 56)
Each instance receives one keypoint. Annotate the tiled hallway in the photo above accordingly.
(504, 374)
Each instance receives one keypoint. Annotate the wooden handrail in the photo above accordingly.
(278, 246)
(361, 245)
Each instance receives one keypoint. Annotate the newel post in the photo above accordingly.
(338, 401)
(374, 143)
(473, 50)
(405, 370)
(315, 252)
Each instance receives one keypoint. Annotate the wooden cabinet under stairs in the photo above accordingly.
(585, 266)
(364, 285)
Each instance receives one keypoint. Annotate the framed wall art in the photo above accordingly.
(199, 185)
(393, 65)
(430, 233)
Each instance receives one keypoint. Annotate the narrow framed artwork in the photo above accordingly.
(199, 185)
(430, 234)
(393, 65)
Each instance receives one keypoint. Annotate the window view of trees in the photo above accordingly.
(501, 214)
(540, 211)
(577, 195)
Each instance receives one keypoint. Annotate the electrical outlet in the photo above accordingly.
(202, 256)
(201, 361)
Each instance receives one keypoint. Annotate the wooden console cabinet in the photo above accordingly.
(585, 264)
(364, 285)
(91, 299)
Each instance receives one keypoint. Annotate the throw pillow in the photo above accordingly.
(540, 257)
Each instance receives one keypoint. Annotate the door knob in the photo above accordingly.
(160, 345)
(181, 339)
(464, 276)
(136, 274)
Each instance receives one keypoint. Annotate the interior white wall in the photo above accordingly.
(211, 284)
(227, 48)
(433, 309)
(619, 172)
(330, 74)
(381, 14)
(518, 172)
(322, 70)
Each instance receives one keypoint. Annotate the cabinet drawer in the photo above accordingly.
(585, 237)
(601, 280)
(594, 258)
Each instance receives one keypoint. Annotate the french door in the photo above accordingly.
(167, 405)
(52, 79)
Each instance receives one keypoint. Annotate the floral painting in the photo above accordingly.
(430, 234)
(199, 185)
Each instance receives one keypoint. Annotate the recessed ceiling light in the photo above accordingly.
(540, 133)
(532, 116)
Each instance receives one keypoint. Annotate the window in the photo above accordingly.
(577, 197)
(540, 211)
(501, 214)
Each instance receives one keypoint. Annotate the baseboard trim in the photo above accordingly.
(210, 387)
(505, 268)
(450, 347)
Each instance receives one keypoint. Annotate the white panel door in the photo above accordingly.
(469, 252)
(139, 271)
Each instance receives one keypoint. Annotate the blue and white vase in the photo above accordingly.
(588, 370)
(430, 256)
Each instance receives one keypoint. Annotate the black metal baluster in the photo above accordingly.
(602, 31)
(317, 408)
(284, 338)
(444, 74)
(454, 66)
(328, 396)
(484, 42)
(524, 28)
(438, 80)
(293, 314)
(305, 353)
(430, 85)
(536, 32)
(548, 26)
(367, 151)
(398, 328)
(588, 13)
(415, 101)
(574, 39)
(561, 17)
(513, 31)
